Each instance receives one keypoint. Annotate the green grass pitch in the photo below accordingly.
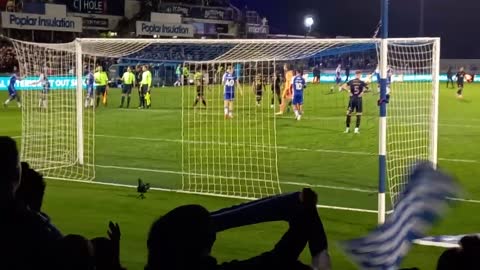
(342, 167)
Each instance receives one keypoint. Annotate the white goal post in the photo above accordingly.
(59, 140)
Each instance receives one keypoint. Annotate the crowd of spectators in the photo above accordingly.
(8, 59)
(354, 61)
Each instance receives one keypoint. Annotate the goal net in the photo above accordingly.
(57, 132)
(221, 153)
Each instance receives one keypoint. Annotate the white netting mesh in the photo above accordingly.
(411, 127)
(235, 157)
(49, 113)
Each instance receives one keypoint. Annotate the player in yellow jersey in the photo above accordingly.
(287, 90)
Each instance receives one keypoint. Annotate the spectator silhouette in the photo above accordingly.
(107, 250)
(464, 258)
(10, 172)
(26, 237)
(183, 238)
(74, 252)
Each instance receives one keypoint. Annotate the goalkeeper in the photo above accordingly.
(145, 88)
(287, 90)
(174, 243)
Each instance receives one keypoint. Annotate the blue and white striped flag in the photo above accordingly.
(423, 201)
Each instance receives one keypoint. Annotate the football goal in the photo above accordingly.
(226, 149)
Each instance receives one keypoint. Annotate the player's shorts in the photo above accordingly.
(127, 89)
(101, 89)
(288, 95)
(297, 100)
(199, 91)
(355, 105)
(276, 91)
(338, 80)
(46, 89)
(12, 92)
(229, 96)
(90, 91)
(144, 89)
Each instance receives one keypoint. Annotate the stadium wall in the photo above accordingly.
(69, 82)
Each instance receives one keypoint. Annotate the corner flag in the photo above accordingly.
(423, 202)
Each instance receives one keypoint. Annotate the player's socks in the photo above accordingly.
(98, 101)
(204, 103)
(45, 103)
(122, 102)
(349, 120)
(128, 101)
(230, 114)
(195, 103)
(359, 120)
(226, 111)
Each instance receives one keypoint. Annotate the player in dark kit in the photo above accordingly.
(276, 90)
(200, 83)
(258, 87)
(356, 88)
(460, 81)
(450, 77)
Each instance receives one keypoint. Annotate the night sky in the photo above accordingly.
(458, 25)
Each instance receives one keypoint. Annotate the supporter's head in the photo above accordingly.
(10, 170)
(464, 258)
(75, 252)
(32, 188)
(10, 7)
(180, 238)
(358, 74)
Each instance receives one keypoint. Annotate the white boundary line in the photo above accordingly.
(278, 147)
(435, 244)
(282, 183)
(210, 195)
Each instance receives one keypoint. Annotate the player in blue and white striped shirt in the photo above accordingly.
(12, 90)
(45, 83)
(89, 82)
(229, 81)
(298, 85)
(338, 78)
